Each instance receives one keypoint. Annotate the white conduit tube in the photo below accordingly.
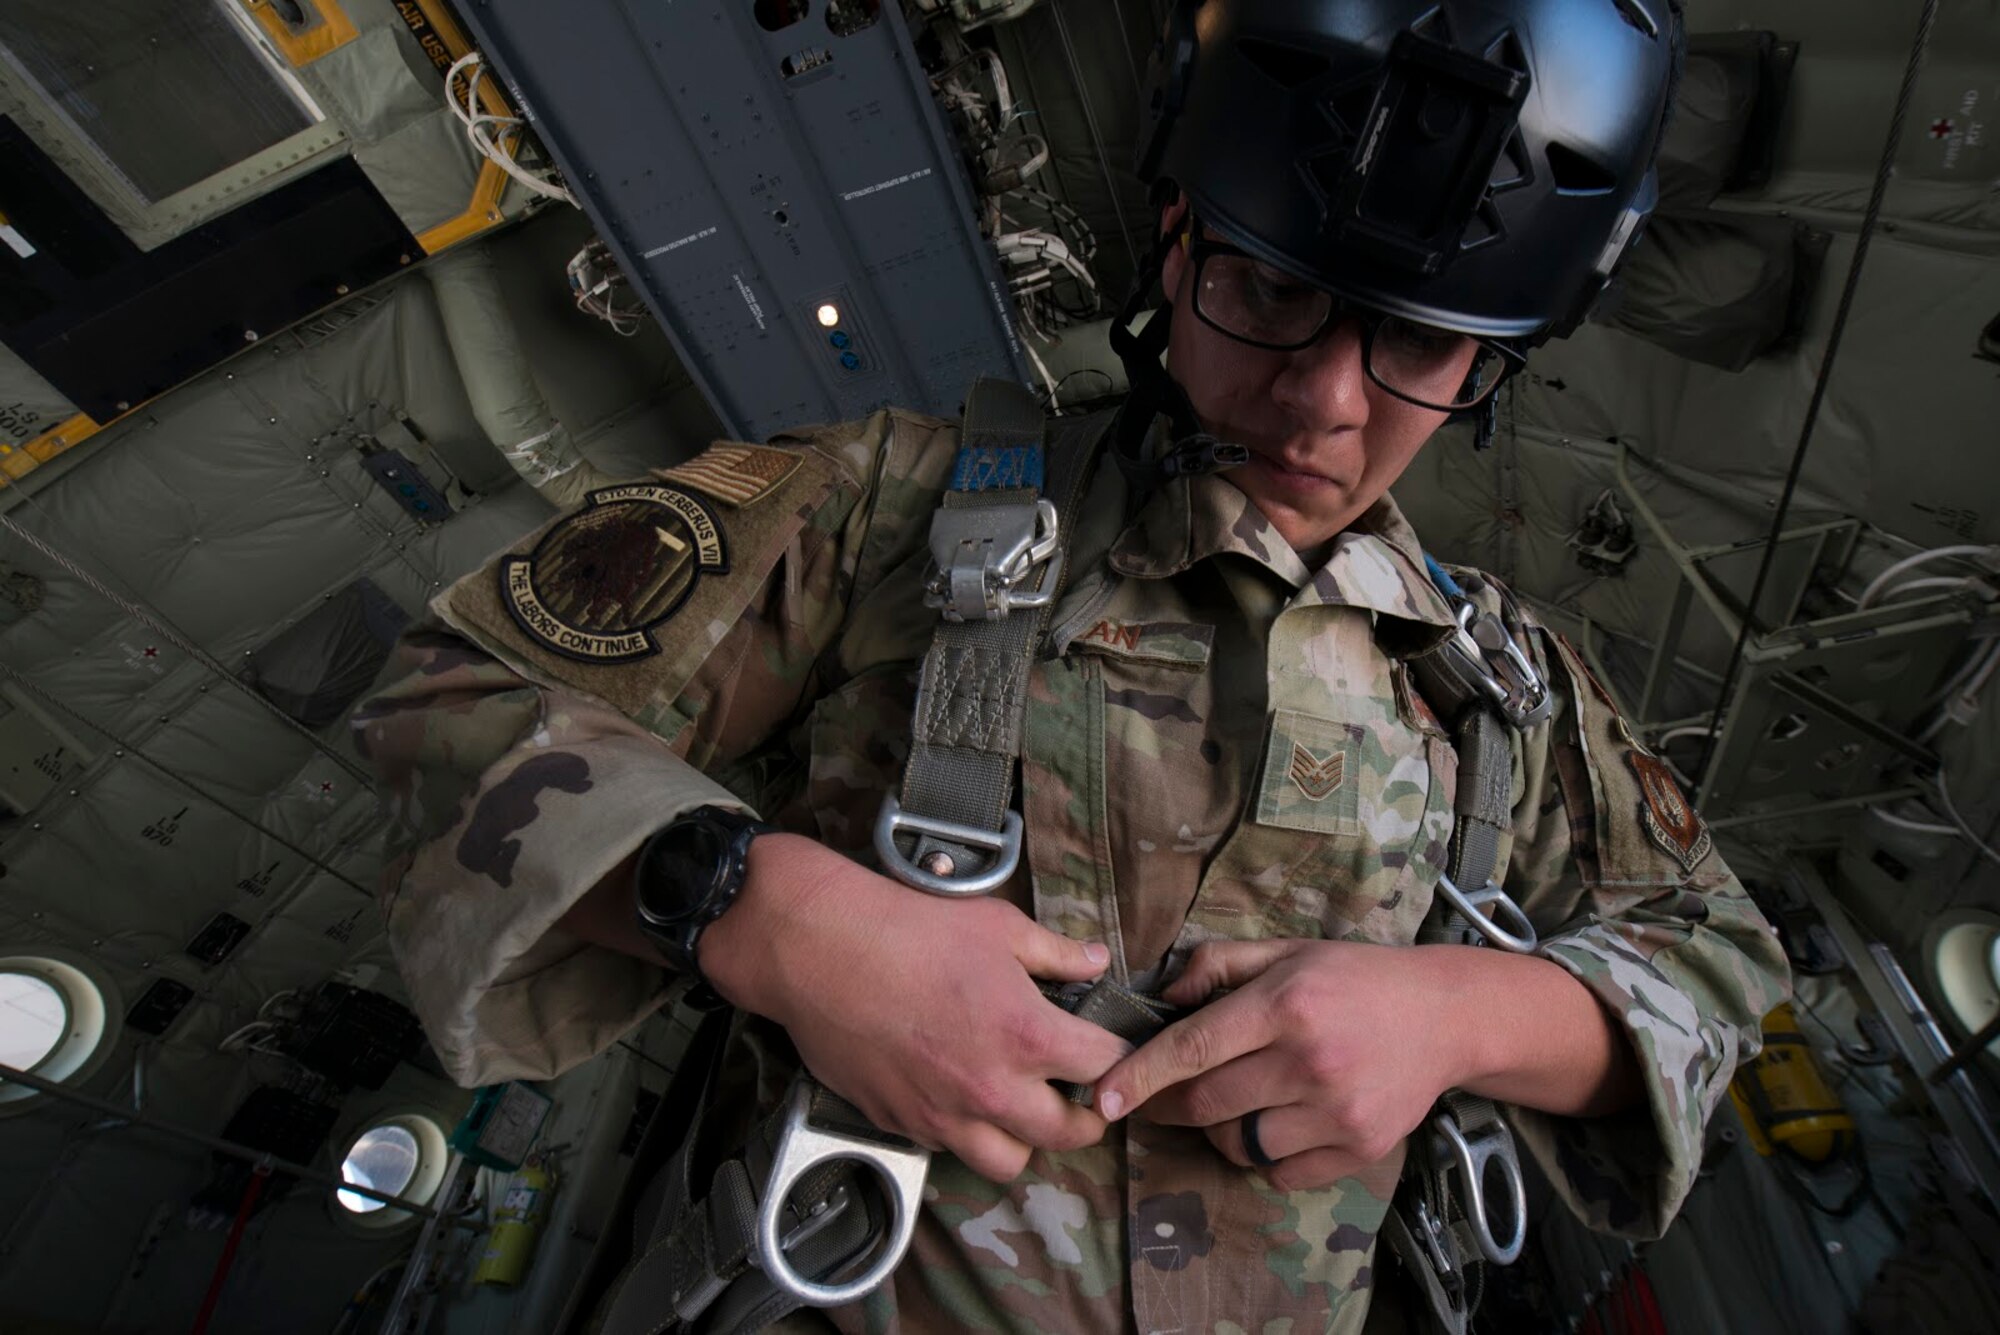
(499, 382)
(1881, 581)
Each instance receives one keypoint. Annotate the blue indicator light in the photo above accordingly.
(838, 338)
(850, 361)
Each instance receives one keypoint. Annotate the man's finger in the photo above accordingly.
(1311, 1170)
(1047, 1120)
(1051, 955)
(1079, 1051)
(990, 1152)
(1282, 1133)
(1219, 964)
(1201, 1042)
(1262, 1079)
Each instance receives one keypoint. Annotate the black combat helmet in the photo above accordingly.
(1480, 165)
(1477, 165)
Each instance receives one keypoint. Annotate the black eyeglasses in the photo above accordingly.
(1266, 307)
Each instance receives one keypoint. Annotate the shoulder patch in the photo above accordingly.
(1671, 823)
(602, 579)
(736, 475)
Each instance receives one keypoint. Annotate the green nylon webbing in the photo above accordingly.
(972, 693)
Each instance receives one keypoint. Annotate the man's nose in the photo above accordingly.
(1325, 384)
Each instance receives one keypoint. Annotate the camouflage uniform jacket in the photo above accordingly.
(1220, 743)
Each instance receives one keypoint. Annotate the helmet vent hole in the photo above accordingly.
(1485, 226)
(1286, 66)
(1506, 51)
(1435, 25)
(1635, 14)
(1511, 168)
(1574, 174)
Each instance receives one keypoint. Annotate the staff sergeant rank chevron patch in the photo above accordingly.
(1317, 779)
(600, 580)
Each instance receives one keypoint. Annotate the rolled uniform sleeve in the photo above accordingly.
(512, 801)
(517, 779)
(1620, 876)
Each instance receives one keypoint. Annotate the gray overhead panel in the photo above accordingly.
(747, 176)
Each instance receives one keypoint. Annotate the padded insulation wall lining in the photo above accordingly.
(29, 405)
(237, 507)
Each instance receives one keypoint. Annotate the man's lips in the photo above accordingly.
(1286, 476)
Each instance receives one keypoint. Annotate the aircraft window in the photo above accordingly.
(384, 1159)
(1965, 967)
(139, 83)
(776, 14)
(403, 1155)
(54, 1021)
(33, 1017)
(847, 17)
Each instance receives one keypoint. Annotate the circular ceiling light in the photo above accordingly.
(829, 315)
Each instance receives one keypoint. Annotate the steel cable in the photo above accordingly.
(1096, 138)
(1884, 171)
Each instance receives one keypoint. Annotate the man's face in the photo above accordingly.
(1325, 441)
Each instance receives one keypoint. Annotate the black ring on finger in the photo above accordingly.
(1253, 1146)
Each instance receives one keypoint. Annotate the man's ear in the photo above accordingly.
(1173, 219)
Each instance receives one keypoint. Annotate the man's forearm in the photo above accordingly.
(1535, 1036)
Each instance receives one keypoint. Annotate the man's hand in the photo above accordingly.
(921, 1011)
(1343, 1046)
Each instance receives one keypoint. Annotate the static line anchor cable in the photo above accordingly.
(1884, 170)
(161, 626)
(1819, 388)
(1096, 139)
(128, 748)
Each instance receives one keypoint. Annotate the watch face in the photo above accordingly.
(684, 870)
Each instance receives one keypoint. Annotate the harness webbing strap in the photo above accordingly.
(1428, 1227)
(972, 692)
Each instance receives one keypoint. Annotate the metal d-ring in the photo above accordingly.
(1488, 1144)
(1521, 939)
(1003, 846)
(803, 1147)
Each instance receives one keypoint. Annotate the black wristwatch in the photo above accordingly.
(689, 872)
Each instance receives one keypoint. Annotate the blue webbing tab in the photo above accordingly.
(1446, 585)
(986, 468)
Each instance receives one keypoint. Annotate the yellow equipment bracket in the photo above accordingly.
(482, 213)
(334, 29)
(17, 461)
(438, 33)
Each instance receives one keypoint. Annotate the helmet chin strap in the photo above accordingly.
(1155, 394)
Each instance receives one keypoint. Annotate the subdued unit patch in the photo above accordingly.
(1674, 825)
(736, 475)
(601, 579)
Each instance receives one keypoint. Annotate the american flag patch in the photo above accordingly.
(734, 474)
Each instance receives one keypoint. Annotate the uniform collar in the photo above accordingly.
(1376, 564)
